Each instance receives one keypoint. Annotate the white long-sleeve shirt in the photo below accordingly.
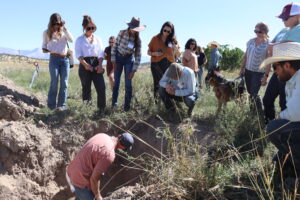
(292, 91)
(57, 44)
(184, 86)
(83, 48)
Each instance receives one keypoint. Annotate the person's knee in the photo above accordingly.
(190, 102)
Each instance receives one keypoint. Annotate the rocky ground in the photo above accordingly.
(34, 151)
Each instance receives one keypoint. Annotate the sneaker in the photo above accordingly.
(61, 109)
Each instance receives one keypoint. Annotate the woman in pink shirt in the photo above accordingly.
(189, 58)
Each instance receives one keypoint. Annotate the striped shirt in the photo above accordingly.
(255, 55)
(125, 46)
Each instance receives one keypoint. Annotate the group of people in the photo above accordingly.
(283, 54)
(123, 53)
(172, 80)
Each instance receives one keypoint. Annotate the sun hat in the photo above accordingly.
(289, 10)
(126, 140)
(283, 52)
(134, 24)
(214, 43)
(174, 70)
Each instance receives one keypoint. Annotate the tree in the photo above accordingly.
(231, 58)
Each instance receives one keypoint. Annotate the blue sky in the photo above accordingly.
(226, 21)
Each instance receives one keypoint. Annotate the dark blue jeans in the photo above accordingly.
(286, 138)
(275, 88)
(127, 64)
(253, 83)
(83, 194)
(59, 68)
(166, 98)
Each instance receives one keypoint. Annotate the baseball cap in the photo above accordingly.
(289, 10)
(126, 140)
(174, 70)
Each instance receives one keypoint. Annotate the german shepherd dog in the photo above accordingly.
(225, 89)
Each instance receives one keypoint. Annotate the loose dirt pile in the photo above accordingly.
(34, 153)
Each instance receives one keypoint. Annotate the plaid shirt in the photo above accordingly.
(122, 46)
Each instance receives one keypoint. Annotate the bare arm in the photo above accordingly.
(95, 184)
(85, 64)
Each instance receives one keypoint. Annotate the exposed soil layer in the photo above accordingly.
(34, 153)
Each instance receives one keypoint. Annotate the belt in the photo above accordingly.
(125, 55)
(59, 55)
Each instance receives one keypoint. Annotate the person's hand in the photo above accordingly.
(131, 75)
(100, 69)
(170, 89)
(242, 72)
(115, 66)
(89, 68)
(99, 197)
(264, 80)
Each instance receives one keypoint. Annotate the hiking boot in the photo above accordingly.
(190, 111)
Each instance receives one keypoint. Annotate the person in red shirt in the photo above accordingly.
(98, 153)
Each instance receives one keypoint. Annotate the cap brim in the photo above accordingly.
(276, 59)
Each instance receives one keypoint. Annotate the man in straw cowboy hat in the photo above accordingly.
(285, 130)
(215, 56)
(178, 83)
(126, 53)
(98, 153)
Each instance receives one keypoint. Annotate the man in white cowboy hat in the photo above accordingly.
(215, 56)
(285, 130)
(126, 53)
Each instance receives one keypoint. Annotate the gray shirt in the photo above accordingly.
(184, 86)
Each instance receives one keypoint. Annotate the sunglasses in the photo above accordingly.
(287, 18)
(111, 42)
(57, 24)
(192, 44)
(167, 31)
(91, 28)
(255, 31)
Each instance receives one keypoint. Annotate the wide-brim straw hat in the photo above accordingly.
(134, 24)
(283, 52)
(214, 43)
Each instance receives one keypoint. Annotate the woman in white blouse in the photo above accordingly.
(55, 40)
(90, 52)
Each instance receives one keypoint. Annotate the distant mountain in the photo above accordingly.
(35, 53)
(38, 53)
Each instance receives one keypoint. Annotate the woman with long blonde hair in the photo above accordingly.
(55, 42)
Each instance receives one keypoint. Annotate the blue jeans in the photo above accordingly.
(253, 83)
(188, 100)
(127, 64)
(199, 75)
(83, 194)
(59, 68)
(286, 138)
(275, 88)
